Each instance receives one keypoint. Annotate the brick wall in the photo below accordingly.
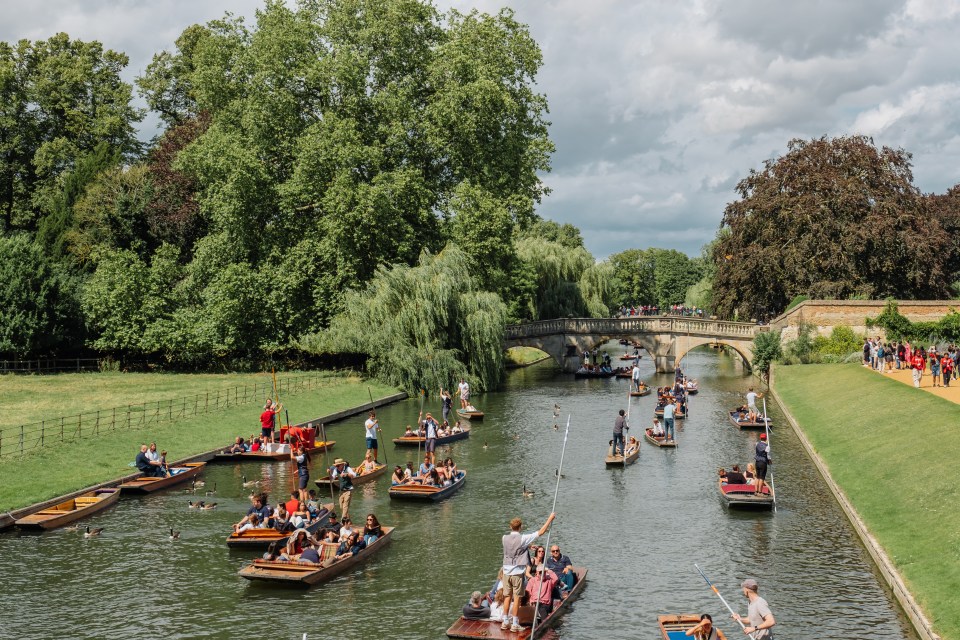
(826, 314)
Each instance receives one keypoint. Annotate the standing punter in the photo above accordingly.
(618, 426)
(342, 472)
(268, 420)
(372, 425)
(515, 561)
(759, 618)
(762, 460)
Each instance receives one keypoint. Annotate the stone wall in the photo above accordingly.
(826, 314)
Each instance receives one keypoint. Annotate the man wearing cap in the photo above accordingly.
(342, 472)
(430, 427)
(515, 561)
(762, 459)
(759, 618)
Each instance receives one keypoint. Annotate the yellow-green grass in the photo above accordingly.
(521, 356)
(55, 470)
(894, 451)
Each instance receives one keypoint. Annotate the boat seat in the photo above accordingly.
(328, 550)
(743, 488)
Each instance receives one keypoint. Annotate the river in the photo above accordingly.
(639, 530)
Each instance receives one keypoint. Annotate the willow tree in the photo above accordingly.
(422, 327)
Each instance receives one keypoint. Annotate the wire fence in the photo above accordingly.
(35, 435)
(51, 365)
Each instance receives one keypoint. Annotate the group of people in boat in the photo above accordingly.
(285, 517)
(152, 463)
(307, 548)
(528, 576)
(427, 474)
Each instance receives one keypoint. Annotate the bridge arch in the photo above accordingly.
(746, 354)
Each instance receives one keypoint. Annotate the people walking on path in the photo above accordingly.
(759, 618)
(934, 358)
(918, 363)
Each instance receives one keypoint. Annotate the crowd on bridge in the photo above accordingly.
(654, 310)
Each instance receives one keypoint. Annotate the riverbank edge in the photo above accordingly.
(521, 365)
(921, 624)
(7, 519)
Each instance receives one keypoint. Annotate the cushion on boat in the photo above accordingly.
(743, 488)
(328, 550)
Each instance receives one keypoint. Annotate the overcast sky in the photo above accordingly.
(659, 108)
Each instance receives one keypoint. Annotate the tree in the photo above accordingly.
(38, 307)
(634, 273)
(832, 218)
(673, 274)
(59, 99)
(766, 350)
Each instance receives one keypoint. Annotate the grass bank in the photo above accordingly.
(522, 356)
(61, 468)
(893, 451)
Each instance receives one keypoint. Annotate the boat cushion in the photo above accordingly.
(743, 488)
(328, 550)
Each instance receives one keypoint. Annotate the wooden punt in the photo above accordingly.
(692, 388)
(747, 423)
(633, 452)
(675, 627)
(678, 415)
(627, 356)
(306, 574)
(644, 391)
(272, 456)
(262, 538)
(594, 374)
(70, 510)
(470, 415)
(623, 372)
(143, 484)
(660, 441)
(490, 630)
(417, 441)
(362, 478)
(742, 495)
(414, 491)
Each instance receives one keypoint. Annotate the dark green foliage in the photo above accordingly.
(766, 349)
(38, 308)
(898, 327)
(654, 276)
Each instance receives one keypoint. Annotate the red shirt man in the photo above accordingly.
(267, 421)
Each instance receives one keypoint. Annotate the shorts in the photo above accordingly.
(761, 471)
(266, 433)
(430, 445)
(303, 481)
(513, 586)
(371, 443)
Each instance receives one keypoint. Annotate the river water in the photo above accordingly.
(639, 530)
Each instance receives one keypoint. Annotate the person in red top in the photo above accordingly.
(946, 367)
(917, 363)
(293, 504)
(268, 419)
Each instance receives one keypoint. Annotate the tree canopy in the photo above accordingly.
(832, 218)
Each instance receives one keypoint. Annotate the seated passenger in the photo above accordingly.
(751, 473)
(704, 630)
(249, 522)
(540, 589)
(723, 475)
(271, 552)
(351, 546)
(562, 567)
(476, 608)
(398, 476)
(368, 465)
(331, 536)
(236, 447)
(457, 428)
(372, 530)
(734, 476)
(295, 545)
(149, 468)
(657, 428)
(257, 445)
(259, 510)
(496, 606)
(409, 433)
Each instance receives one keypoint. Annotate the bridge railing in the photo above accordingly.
(640, 324)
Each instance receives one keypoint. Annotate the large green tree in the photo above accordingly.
(832, 218)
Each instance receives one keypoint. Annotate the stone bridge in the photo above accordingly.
(666, 338)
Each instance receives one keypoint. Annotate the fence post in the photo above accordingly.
(129, 413)
(43, 424)
(61, 428)
(79, 426)
(78, 365)
(113, 420)
(206, 402)
(21, 440)
(170, 411)
(96, 426)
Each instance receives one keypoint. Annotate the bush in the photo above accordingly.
(766, 349)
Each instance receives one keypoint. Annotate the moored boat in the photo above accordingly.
(742, 420)
(419, 441)
(361, 478)
(181, 473)
(744, 495)
(660, 441)
(303, 574)
(490, 629)
(633, 452)
(70, 510)
(425, 493)
(675, 627)
(262, 538)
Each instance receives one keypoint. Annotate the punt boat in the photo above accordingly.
(262, 538)
(611, 460)
(144, 484)
(424, 493)
(746, 423)
(660, 441)
(362, 478)
(419, 441)
(743, 495)
(70, 510)
(470, 414)
(675, 627)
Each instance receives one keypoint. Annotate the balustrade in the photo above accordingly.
(632, 325)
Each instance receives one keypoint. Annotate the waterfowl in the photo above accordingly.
(212, 491)
(208, 507)
(199, 484)
(251, 483)
(92, 533)
(485, 446)
(174, 535)
(75, 527)
(556, 472)
(195, 505)
(527, 493)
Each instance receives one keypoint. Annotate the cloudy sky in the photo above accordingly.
(659, 108)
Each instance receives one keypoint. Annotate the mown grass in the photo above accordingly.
(893, 450)
(61, 468)
(520, 356)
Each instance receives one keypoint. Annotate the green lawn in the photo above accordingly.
(893, 450)
(520, 356)
(58, 469)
